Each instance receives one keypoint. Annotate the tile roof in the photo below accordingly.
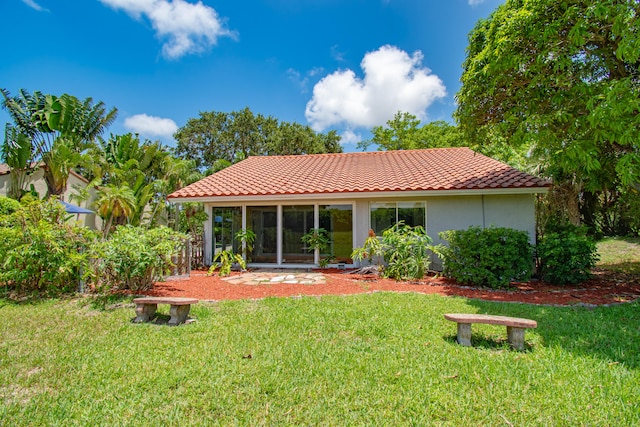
(406, 170)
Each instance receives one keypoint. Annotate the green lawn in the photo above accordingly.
(374, 359)
(620, 254)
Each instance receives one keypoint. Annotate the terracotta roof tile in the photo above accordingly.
(409, 170)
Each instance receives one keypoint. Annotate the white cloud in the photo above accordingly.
(336, 53)
(151, 126)
(475, 2)
(303, 81)
(393, 81)
(184, 27)
(32, 4)
(350, 137)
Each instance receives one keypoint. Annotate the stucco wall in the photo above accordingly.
(92, 221)
(458, 213)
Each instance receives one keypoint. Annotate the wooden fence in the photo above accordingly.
(191, 256)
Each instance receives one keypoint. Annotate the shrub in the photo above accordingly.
(134, 258)
(406, 252)
(371, 250)
(40, 252)
(486, 257)
(8, 205)
(566, 255)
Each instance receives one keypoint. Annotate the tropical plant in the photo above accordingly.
(246, 237)
(372, 251)
(60, 131)
(223, 262)
(115, 205)
(16, 153)
(317, 239)
(406, 252)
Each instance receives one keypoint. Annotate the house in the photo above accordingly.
(280, 198)
(36, 178)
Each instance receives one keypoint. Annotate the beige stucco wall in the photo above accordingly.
(515, 211)
(92, 221)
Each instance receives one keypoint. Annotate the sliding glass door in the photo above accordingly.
(226, 223)
(263, 220)
(296, 222)
(338, 221)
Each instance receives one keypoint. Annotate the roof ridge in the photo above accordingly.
(360, 153)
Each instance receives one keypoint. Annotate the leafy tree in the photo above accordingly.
(404, 132)
(561, 82)
(217, 137)
(60, 130)
(136, 176)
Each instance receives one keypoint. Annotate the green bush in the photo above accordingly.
(8, 205)
(134, 258)
(40, 252)
(566, 255)
(406, 252)
(486, 257)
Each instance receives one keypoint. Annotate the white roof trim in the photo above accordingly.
(360, 195)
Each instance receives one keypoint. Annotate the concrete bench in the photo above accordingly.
(146, 308)
(515, 326)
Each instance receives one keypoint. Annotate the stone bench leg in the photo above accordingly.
(178, 314)
(515, 336)
(145, 312)
(464, 334)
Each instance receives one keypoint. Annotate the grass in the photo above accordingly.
(373, 359)
(620, 254)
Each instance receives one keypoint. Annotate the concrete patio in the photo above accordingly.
(267, 277)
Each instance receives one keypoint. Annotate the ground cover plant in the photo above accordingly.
(372, 359)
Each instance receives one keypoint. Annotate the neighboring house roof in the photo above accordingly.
(438, 169)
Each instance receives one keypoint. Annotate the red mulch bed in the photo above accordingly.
(605, 288)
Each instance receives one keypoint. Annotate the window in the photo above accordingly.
(385, 215)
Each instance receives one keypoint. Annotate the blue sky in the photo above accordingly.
(346, 65)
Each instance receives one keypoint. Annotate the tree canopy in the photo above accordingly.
(217, 137)
(404, 132)
(559, 81)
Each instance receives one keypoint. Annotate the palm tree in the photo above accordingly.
(115, 203)
(60, 130)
